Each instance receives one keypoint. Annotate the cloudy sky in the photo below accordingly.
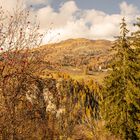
(93, 19)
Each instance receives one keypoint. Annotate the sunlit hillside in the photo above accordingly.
(81, 58)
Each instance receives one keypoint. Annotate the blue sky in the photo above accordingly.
(92, 19)
(108, 6)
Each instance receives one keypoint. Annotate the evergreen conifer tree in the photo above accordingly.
(121, 95)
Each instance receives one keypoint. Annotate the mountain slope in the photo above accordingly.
(75, 55)
(77, 52)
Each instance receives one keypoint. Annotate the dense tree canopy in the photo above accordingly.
(121, 95)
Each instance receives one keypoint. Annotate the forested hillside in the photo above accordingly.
(80, 58)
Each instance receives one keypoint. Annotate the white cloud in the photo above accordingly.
(47, 15)
(128, 9)
(72, 22)
(11, 4)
